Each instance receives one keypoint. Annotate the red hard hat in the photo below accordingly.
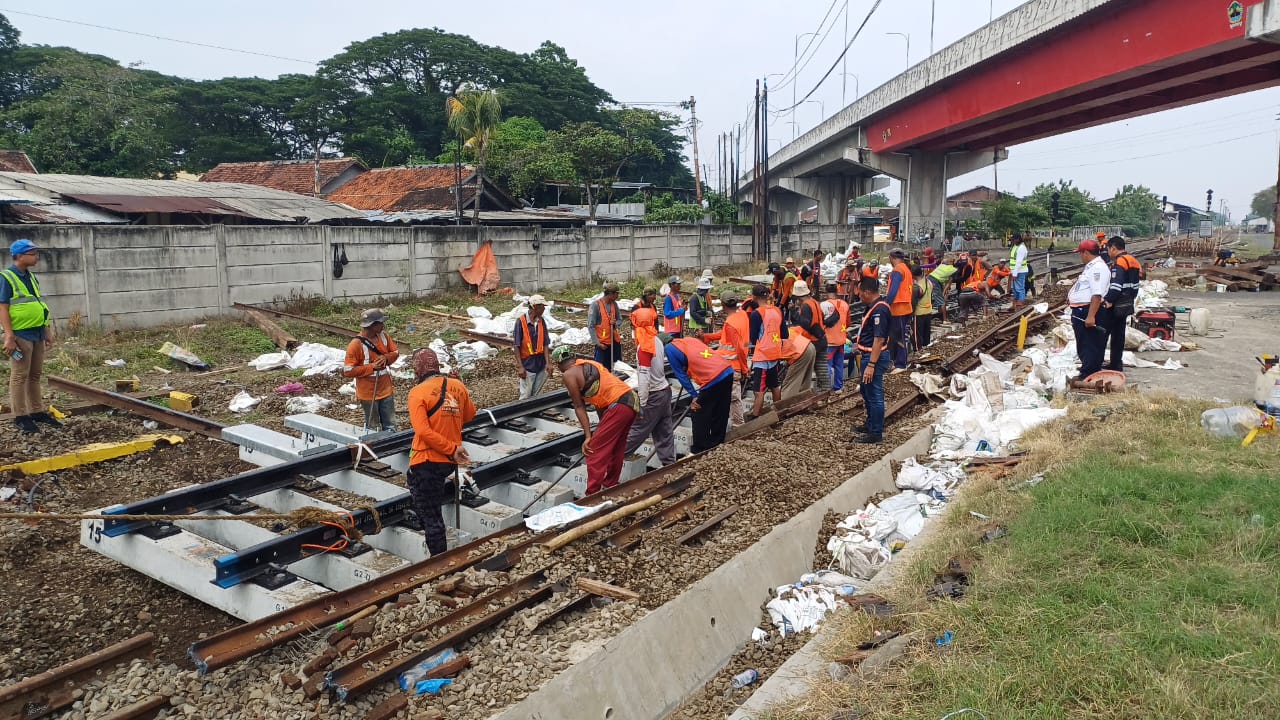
(1088, 246)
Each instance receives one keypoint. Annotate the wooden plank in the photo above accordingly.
(282, 339)
(1232, 272)
(84, 407)
(751, 426)
(603, 589)
(563, 539)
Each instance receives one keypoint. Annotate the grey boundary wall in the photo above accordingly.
(141, 276)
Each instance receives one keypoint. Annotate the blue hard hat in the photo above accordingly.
(21, 246)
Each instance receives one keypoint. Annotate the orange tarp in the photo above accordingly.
(483, 270)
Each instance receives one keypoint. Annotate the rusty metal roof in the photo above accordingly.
(295, 176)
(16, 161)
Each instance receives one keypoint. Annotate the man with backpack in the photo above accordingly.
(439, 406)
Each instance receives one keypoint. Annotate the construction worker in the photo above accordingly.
(812, 271)
(835, 313)
(734, 345)
(708, 379)
(1101, 238)
(790, 267)
(922, 297)
(847, 280)
(28, 333)
(939, 279)
(700, 312)
(369, 358)
(973, 294)
(1126, 274)
(1085, 299)
(783, 283)
(644, 325)
(654, 393)
(438, 408)
(807, 319)
(873, 344)
(800, 357)
(673, 309)
(533, 348)
(995, 278)
(766, 358)
(616, 405)
(602, 318)
(1021, 269)
(900, 308)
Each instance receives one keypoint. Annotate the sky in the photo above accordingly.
(665, 51)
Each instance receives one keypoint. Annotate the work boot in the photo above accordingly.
(869, 439)
(859, 429)
(26, 425)
(46, 418)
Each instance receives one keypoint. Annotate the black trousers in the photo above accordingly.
(924, 330)
(1116, 325)
(427, 485)
(712, 420)
(1090, 342)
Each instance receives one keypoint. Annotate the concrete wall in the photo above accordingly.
(118, 276)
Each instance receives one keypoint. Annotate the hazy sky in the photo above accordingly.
(665, 51)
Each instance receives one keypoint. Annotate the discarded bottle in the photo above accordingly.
(744, 678)
(410, 678)
(1232, 422)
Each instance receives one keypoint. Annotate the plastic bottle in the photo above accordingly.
(411, 677)
(1201, 284)
(1266, 389)
(1232, 422)
(744, 678)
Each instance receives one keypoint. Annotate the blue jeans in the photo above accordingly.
(607, 356)
(835, 363)
(873, 393)
(1020, 286)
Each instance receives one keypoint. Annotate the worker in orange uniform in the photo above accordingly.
(1101, 238)
(708, 379)
(801, 358)
(735, 346)
(602, 318)
(811, 272)
(901, 309)
(369, 358)
(644, 325)
(807, 319)
(995, 278)
(439, 406)
(835, 314)
(617, 406)
(783, 282)
(673, 309)
(766, 357)
(530, 339)
(847, 279)
(973, 293)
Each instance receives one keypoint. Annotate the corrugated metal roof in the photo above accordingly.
(295, 176)
(16, 161)
(61, 214)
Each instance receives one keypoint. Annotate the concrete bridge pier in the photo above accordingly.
(926, 179)
(832, 193)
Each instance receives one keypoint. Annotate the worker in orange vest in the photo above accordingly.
(644, 325)
(847, 279)
(901, 309)
(654, 391)
(673, 309)
(811, 272)
(766, 357)
(438, 408)
(995, 278)
(735, 346)
(801, 358)
(533, 348)
(708, 379)
(783, 282)
(369, 358)
(616, 405)
(835, 313)
(602, 318)
(807, 319)
(973, 294)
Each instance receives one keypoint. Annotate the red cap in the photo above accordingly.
(1088, 246)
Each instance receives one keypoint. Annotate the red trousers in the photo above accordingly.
(608, 447)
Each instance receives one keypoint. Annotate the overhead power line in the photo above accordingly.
(791, 75)
(159, 37)
(836, 64)
(1175, 151)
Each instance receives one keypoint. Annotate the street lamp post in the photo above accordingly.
(857, 92)
(907, 37)
(795, 64)
(844, 61)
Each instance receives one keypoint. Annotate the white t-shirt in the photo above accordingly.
(1094, 280)
(1019, 265)
(654, 377)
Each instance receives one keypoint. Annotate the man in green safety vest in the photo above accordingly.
(28, 332)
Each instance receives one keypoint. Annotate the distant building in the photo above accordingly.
(417, 188)
(295, 176)
(1180, 219)
(1257, 224)
(86, 199)
(16, 161)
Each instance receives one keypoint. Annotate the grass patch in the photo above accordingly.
(1139, 580)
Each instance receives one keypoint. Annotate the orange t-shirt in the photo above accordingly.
(437, 436)
(371, 384)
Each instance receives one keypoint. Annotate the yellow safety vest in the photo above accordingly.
(26, 311)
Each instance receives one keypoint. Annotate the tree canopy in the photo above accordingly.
(1264, 202)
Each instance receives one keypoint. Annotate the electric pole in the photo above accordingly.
(757, 233)
(691, 106)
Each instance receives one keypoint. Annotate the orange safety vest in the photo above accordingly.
(866, 317)
(837, 335)
(996, 275)
(604, 331)
(815, 275)
(900, 304)
(704, 365)
(672, 326)
(769, 346)
(611, 388)
(735, 338)
(871, 272)
(794, 346)
(532, 345)
(644, 326)
(979, 276)
(845, 280)
(816, 310)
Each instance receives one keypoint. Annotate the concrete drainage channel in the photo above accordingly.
(652, 667)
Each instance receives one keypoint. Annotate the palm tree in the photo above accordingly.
(474, 115)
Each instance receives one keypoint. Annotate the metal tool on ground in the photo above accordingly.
(524, 512)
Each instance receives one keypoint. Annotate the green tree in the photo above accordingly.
(1010, 215)
(1075, 206)
(1134, 208)
(663, 208)
(666, 133)
(474, 115)
(1264, 202)
(595, 156)
(875, 200)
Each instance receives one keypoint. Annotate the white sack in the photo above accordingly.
(243, 402)
(309, 404)
(797, 609)
(270, 361)
(576, 336)
(562, 514)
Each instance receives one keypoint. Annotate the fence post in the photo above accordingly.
(89, 261)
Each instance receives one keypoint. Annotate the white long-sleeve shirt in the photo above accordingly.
(1019, 264)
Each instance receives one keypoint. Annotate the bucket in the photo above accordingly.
(1220, 288)
(1199, 321)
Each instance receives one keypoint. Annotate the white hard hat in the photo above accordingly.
(800, 289)
(537, 300)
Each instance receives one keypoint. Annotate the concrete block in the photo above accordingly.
(484, 520)
(318, 427)
(256, 441)
(518, 496)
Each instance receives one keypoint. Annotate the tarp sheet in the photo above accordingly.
(483, 270)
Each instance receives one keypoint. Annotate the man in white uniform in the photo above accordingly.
(1085, 300)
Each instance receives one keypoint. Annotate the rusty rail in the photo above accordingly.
(338, 330)
(707, 526)
(628, 537)
(141, 710)
(134, 406)
(53, 690)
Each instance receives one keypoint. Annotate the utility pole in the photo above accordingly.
(757, 234)
(764, 155)
(691, 106)
(457, 182)
(1275, 220)
(844, 60)
(933, 14)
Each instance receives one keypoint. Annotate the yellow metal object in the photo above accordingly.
(89, 454)
(1022, 332)
(182, 402)
(133, 384)
(56, 413)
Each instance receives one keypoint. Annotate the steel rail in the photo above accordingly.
(53, 690)
(628, 537)
(338, 330)
(135, 406)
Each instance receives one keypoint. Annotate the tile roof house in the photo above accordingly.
(16, 161)
(295, 176)
(420, 187)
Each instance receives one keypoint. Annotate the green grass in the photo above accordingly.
(1139, 580)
